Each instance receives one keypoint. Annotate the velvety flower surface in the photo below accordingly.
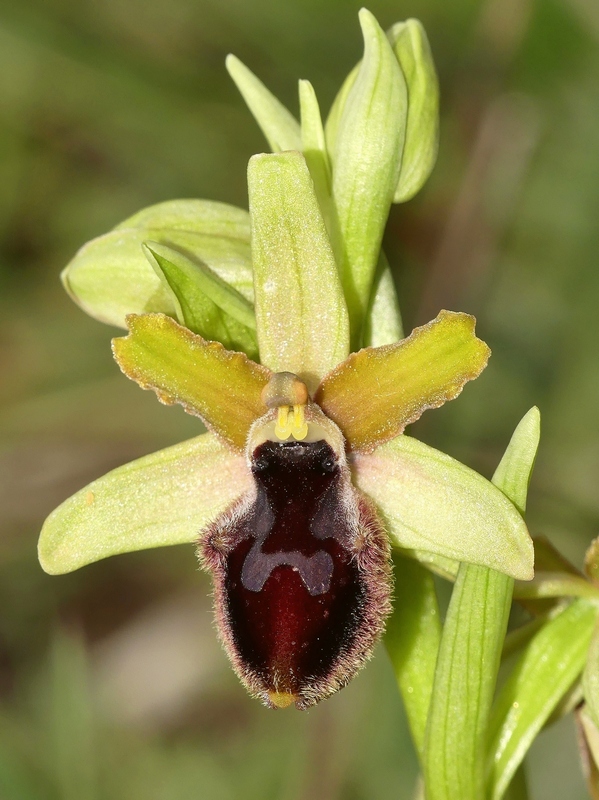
(280, 330)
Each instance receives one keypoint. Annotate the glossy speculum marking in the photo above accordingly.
(301, 575)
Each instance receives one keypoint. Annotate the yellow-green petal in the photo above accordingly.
(429, 501)
(301, 315)
(165, 498)
(376, 392)
(220, 386)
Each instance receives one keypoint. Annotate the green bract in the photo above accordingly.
(204, 303)
(366, 165)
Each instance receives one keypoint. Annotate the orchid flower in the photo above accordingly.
(280, 331)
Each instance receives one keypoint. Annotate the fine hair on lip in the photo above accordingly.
(301, 573)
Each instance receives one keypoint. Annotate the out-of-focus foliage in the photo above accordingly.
(107, 108)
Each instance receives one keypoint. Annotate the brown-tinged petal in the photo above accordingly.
(220, 386)
(165, 498)
(376, 392)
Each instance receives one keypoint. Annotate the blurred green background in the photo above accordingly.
(112, 684)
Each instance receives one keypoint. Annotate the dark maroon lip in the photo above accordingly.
(294, 598)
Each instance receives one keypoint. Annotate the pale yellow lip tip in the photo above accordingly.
(281, 699)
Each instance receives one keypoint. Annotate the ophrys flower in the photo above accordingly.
(305, 478)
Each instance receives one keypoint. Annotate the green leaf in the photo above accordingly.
(543, 675)
(429, 501)
(410, 45)
(314, 148)
(514, 471)
(465, 678)
(590, 678)
(412, 640)
(301, 314)
(470, 650)
(278, 125)
(366, 166)
(224, 388)
(203, 302)
(383, 322)
(165, 498)
(376, 392)
(110, 277)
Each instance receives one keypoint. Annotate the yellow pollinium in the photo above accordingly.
(287, 393)
(291, 424)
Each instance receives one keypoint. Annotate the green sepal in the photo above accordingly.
(222, 387)
(203, 302)
(279, 126)
(366, 166)
(110, 277)
(429, 501)
(410, 45)
(301, 315)
(165, 498)
(541, 677)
